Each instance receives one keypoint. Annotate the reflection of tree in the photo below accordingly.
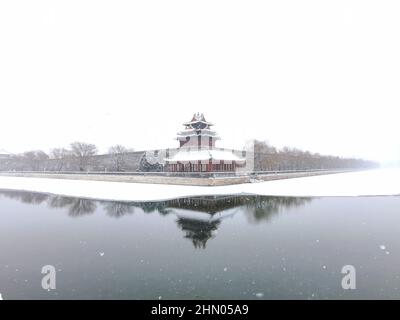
(26, 197)
(118, 209)
(60, 202)
(76, 206)
(261, 208)
(150, 207)
(198, 231)
(81, 207)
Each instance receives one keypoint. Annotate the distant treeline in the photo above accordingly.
(81, 156)
(267, 157)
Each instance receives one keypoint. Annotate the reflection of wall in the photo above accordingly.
(198, 217)
(209, 204)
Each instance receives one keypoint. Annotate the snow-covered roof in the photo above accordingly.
(187, 155)
(203, 216)
(198, 117)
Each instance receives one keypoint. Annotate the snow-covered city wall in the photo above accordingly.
(361, 183)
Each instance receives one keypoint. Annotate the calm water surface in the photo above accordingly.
(230, 247)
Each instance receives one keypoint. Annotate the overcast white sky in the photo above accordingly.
(317, 75)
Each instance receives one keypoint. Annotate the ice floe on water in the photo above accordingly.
(360, 183)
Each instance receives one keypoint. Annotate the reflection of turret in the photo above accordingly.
(198, 231)
(198, 217)
(209, 204)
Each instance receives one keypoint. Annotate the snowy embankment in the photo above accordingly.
(361, 183)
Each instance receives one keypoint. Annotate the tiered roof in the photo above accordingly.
(198, 126)
(198, 122)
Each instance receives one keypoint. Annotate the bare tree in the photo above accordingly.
(83, 152)
(263, 153)
(118, 156)
(60, 155)
(269, 158)
(33, 160)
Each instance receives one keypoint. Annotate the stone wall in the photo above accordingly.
(166, 179)
(130, 162)
(142, 161)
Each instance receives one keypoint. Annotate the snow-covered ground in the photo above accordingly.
(362, 183)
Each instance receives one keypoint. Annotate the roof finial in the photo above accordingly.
(198, 117)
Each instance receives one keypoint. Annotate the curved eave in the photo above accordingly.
(197, 121)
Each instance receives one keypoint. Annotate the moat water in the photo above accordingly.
(230, 247)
